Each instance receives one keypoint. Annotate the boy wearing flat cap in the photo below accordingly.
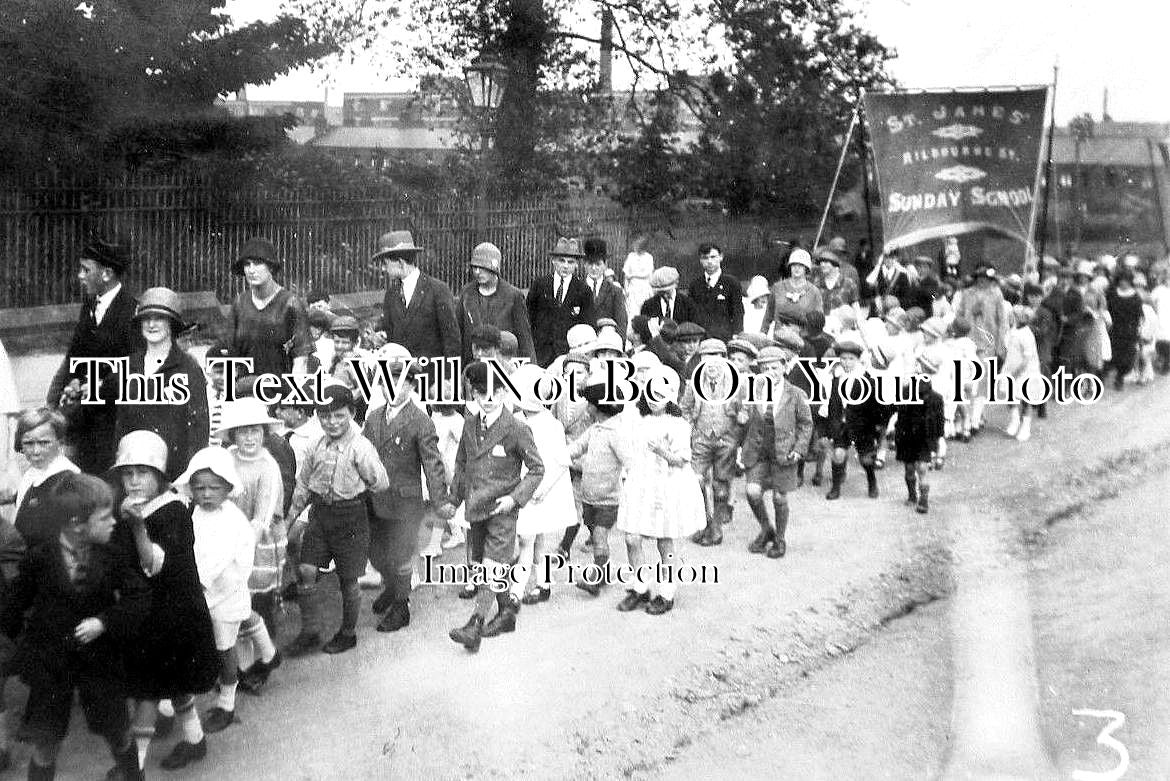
(487, 480)
(338, 473)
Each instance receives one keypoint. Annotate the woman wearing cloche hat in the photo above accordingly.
(796, 289)
(267, 323)
(160, 373)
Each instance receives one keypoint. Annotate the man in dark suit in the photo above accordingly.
(418, 311)
(609, 300)
(408, 445)
(558, 301)
(666, 303)
(662, 345)
(718, 297)
(105, 329)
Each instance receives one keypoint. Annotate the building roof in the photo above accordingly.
(1128, 152)
(386, 138)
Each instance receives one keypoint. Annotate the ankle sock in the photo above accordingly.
(225, 697)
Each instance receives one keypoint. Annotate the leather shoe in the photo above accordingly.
(384, 601)
(658, 606)
(632, 601)
(396, 617)
(469, 635)
(218, 719)
(340, 643)
(777, 549)
(699, 536)
(184, 754)
(536, 595)
(760, 543)
(502, 622)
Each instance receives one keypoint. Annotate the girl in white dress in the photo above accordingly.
(661, 498)
(636, 272)
(540, 523)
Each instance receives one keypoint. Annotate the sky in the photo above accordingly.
(1119, 45)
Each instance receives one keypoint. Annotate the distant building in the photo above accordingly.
(1110, 184)
(377, 147)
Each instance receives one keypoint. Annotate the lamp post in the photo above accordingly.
(486, 79)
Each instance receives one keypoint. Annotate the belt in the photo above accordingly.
(340, 504)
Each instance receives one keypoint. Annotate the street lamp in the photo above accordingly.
(486, 79)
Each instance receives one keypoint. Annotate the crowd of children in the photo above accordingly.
(184, 594)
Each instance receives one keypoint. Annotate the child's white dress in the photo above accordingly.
(659, 500)
(556, 510)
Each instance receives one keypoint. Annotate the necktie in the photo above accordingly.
(402, 295)
(596, 288)
(560, 290)
(288, 436)
(670, 306)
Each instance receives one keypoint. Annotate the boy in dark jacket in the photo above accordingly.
(84, 602)
(487, 477)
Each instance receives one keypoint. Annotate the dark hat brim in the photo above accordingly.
(396, 251)
(180, 324)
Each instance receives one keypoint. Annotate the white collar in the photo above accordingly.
(712, 279)
(107, 297)
(33, 477)
(163, 499)
(490, 420)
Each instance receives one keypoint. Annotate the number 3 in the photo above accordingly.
(1105, 738)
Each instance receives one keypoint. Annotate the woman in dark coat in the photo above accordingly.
(184, 427)
(267, 323)
(1125, 310)
(175, 656)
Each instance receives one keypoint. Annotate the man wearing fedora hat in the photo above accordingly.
(105, 329)
(418, 311)
(558, 301)
(489, 300)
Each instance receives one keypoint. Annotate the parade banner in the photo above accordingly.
(955, 162)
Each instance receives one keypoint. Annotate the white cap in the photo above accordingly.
(217, 460)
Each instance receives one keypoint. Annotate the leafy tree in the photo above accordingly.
(82, 83)
(777, 118)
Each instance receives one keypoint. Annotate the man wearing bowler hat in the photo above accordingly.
(609, 300)
(489, 300)
(558, 301)
(105, 329)
(418, 311)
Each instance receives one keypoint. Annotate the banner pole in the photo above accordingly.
(1048, 169)
(862, 141)
(836, 176)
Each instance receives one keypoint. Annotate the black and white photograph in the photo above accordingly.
(584, 389)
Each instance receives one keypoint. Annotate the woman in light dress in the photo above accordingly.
(636, 273)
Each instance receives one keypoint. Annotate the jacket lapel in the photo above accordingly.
(496, 433)
(420, 289)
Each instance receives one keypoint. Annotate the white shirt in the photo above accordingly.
(562, 284)
(489, 420)
(409, 282)
(103, 303)
(713, 279)
(668, 304)
(595, 286)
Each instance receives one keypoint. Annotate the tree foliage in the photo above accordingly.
(80, 83)
(778, 116)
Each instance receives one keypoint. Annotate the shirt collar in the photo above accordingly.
(165, 498)
(33, 477)
(105, 298)
(712, 279)
(489, 420)
(411, 276)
